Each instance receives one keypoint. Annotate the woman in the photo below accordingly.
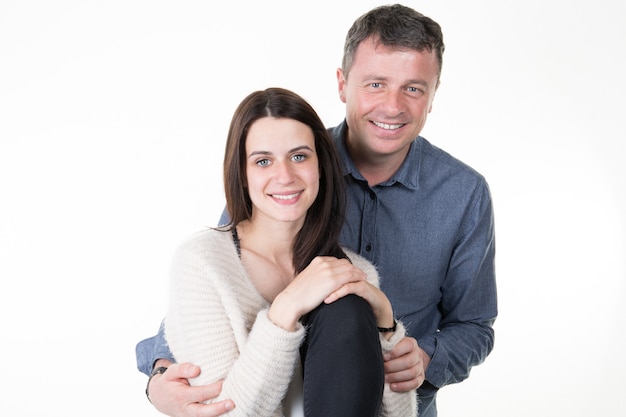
(242, 295)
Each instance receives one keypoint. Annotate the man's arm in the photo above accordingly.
(149, 350)
(406, 365)
(170, 392)
(469, 299)
(469, 308)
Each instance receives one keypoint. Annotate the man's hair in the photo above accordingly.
(319, 235)
(394, 26)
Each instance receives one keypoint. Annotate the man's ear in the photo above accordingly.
(341, 84)
(430, 108)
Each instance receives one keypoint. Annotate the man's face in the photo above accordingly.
(388, 94)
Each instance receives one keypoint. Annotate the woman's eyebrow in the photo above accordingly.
(297, 148)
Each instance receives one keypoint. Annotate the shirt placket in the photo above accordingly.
(368, 225)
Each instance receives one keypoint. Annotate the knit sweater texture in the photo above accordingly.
(218, 320)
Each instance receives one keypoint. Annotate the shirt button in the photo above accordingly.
(368, 248)
(372, 196)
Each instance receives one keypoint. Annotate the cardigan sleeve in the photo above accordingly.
(397, 404)
(205, 326)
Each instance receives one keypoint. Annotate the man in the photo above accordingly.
(421, 216)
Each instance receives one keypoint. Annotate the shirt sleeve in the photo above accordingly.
(149, 350)
(469, 302)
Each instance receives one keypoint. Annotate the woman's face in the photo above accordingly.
(282, 169)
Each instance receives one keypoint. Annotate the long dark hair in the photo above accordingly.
(320, 233)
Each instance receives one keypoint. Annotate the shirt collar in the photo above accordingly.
(407, 174)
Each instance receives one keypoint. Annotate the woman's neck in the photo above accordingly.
(267, 255)
(272, 241)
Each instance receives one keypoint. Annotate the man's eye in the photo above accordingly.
(375, 85)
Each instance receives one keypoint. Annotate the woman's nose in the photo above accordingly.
(284, 172)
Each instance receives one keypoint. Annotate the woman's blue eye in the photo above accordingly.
(263, 162)
(298, 158)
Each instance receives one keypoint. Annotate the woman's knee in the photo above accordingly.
(349, 315)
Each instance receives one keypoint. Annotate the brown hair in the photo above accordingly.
(394, 26)
(320, 233)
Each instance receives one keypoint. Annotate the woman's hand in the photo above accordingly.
(324, 276)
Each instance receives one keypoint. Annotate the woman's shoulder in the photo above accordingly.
(208, 236)
(207, 256)
(209, 243)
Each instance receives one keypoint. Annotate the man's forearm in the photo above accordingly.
(152, 349)
(458, 349)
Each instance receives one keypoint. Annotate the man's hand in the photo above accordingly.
(405, 366)
(171, 394)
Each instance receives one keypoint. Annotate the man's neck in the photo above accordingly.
(376, 168)
(375, 175)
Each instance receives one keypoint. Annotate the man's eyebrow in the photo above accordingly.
(420, 82)
(374, 78)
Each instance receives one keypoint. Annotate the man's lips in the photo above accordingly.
(388, 126)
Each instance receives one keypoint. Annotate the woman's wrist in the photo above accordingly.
(281, 316)
(385, 319)
(389, 329)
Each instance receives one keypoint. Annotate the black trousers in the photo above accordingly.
(342, 360)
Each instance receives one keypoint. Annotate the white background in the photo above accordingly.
(113, 116)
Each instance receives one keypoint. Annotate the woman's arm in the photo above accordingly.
(396, 404)
(210, 305)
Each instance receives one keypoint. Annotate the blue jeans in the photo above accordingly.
(342, 360)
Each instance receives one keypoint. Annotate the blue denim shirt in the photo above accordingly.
(430, 232)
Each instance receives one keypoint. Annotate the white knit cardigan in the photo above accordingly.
(218, 320)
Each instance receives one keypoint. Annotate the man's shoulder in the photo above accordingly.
(337, 132)
(436, 159)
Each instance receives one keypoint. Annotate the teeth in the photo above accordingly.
(388, 127)
(285, 197)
